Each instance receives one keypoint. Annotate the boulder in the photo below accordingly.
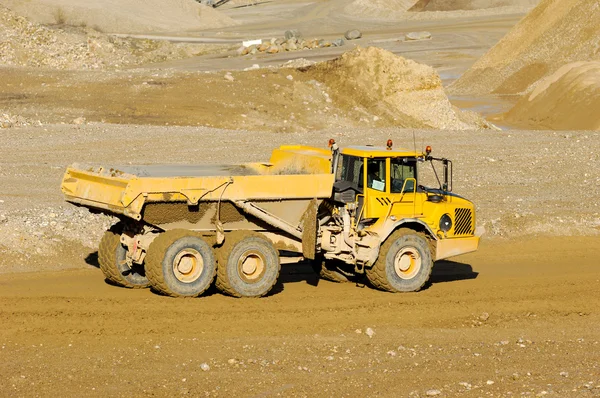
(418, 36)
(353, 34)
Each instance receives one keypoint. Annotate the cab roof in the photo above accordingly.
(379, 152)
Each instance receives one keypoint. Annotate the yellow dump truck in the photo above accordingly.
(354, 212)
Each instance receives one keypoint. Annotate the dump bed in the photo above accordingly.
(293, 173)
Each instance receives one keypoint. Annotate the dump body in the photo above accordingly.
(126, 190)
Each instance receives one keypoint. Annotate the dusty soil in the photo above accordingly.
(364, 87)
(509, 320)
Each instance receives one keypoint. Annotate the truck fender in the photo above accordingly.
(413, 223)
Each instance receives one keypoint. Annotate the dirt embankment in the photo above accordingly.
(424, 9)
(555, 33)
(453, 5)
(122, 16)
(567, 99)
(29, 44)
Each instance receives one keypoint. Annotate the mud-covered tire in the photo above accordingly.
(112, 260)
(327, 270)
(404, 263)
(248, 265)
(180, 263)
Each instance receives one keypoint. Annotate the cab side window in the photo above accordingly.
(376, 174)
(351, 170)
(401, 169)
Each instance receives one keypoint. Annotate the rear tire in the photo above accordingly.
(404, 263)
(248, 265)
(180, 263)
(112, 256)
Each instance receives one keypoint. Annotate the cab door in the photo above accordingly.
(407, 202)
(377, 190)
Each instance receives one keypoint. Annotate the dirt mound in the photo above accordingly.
(555, 33)
(398, 90)
(122, 16)
(453, 5)
(566, 100)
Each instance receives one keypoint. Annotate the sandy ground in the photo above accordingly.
(516, 318)
(509, 320)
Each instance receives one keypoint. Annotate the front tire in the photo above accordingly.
(404, 263)
(180, 263)
(248, 265)
(112, 258)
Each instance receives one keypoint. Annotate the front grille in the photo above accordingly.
(463, 222)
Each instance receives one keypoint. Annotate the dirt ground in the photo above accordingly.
(516, 318)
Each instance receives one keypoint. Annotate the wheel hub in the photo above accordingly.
(407, 262)
(251, 266)
(188, 265)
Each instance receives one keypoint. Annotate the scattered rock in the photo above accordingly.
(418, 36)
(433, 393)
(353, 34)
(338, 42)
(228, 77)
(290, 77)
(79, 120)
(370, 332)
(205, 367)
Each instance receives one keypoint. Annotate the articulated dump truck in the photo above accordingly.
(356, 212)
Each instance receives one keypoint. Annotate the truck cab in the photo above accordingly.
(379, 197)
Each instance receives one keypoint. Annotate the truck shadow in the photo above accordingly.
(450, 271)
(443, 271)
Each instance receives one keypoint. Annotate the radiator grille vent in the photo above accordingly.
(463, 222)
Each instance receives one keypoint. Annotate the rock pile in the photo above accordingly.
(292, 41)
(7, 121)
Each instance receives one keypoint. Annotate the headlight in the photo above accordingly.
(445, 223)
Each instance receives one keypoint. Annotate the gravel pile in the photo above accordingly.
(7, 120)
(46, 231)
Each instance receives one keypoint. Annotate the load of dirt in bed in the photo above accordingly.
(397, 90)
(566, 100)
(122, 16)
(553, 34)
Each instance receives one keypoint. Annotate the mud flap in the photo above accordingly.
(309, 231)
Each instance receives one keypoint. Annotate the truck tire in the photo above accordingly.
(180, 263)
(327, 270)
(248, 265)
(404, 263)
(112, 260)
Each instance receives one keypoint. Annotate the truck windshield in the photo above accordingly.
(350, 169)
(401, 169)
